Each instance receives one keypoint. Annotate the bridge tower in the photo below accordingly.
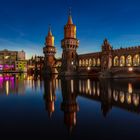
(69, 104)
(69, 45)
(49, 95)
(49, 51)
(106, 60)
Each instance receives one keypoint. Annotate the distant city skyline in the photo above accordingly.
(24, 24)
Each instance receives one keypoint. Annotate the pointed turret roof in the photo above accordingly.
(70, 18)
(49, 31)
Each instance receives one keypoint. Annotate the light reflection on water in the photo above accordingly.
(79, 104)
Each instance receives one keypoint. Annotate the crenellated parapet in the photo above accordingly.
(126, 51)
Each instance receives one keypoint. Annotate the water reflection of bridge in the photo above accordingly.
(122, 94)
(111, 93)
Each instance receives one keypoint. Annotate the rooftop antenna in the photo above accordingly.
(69, 11)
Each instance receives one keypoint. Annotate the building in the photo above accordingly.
(107, 63)
(21, 55)
(21, 65)
(9, 60)
(35, 65)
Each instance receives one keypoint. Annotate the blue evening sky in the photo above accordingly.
(24, 23)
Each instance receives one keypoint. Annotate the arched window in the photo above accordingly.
(116, 61)
(98, 62)
(129, 60)
(94, 62)
(80, 63)
(136, 60)
(122, 61)
(86, 62)
(90, 62)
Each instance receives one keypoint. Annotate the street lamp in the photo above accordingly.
(130, 69)
(88, 68)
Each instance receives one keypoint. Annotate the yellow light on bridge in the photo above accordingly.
(7, 88)
(88, 68)
(130, 88)
(130, 69)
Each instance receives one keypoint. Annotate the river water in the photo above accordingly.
(80, 108)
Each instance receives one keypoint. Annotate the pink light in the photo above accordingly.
(1, 78)
(1, 66)
(12, 78)
(6, 78)
(8, 66)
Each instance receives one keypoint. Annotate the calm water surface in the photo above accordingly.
(69, 108)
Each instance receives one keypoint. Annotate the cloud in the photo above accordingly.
(21, 44)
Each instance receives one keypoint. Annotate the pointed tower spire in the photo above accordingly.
(49, 31)
(49, 38)
(70, 17)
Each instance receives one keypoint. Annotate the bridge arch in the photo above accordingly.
(136, 100)
(86, 62)
(80, 62)
(83, 62)
(94, 62)
(122, 97)
(128, 98)
(98, 62)
(116, 61)
(90, 62)
(129, 60)
(136, 60)
(122, 61)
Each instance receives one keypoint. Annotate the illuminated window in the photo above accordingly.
(6, 57)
